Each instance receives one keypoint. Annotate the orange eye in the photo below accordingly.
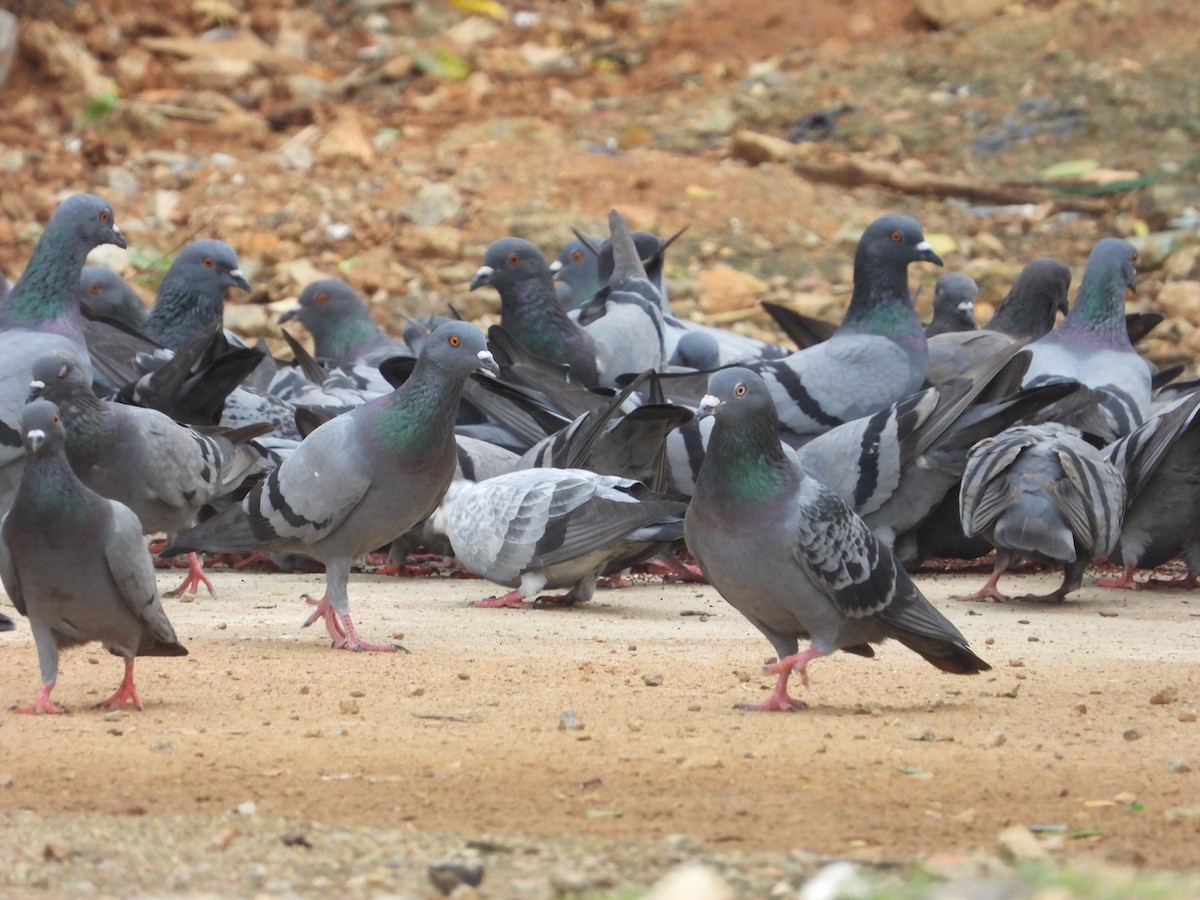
(454, 340)
(897, 236)
(63, 370)
(739, 391)
(514, 259)
(322, 297)
(95, 288)
(577, 256)
(103, 217)
(207, 262)
(54, 421)
(1133, 258)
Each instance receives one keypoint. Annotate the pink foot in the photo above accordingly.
(126, 693)
(988, 592)
(341, 629)
(614, 582)
(42, 705)
(675, 571)
(1188, 581)
(779, 700)
(511, 600)
(195, 578)
(1125, 581)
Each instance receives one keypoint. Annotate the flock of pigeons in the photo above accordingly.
(590, 431)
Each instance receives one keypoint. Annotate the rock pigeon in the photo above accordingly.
(953, 304)
(107, 294)
(341, 326)
(106, 593)
(41, 313)
(625, 337)
(1026, 313)
(1161, 465)
(166, 473)
(576, 271)
(191, 298)
(555, 528)
(792, 557)
(359, 480)
(1092, 346)
(1041, 492)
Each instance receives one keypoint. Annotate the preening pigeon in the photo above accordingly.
(1044, 493)
(341, 326)
(555, 528)
(953, 304)
(359, 480)
(792, 557)
(41, 313)
(165, 472)
(106, 593)
(191, 298)
(1092, 346)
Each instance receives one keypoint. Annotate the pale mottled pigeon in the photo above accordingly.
(555, 528)
(74, 563)
(41, 313)
(793, 558)
(953, 304)
(359, 480)
(341, 326)
(191, 298)
(1161, 464)
(165, 472)
(1041, 492)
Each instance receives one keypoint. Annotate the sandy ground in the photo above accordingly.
(892, 760)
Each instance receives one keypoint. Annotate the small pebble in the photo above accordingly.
(464, 676)
(568, 720)
(652, 680)
(1131, 734)
(1164, 696)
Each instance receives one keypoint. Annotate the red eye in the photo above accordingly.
(322, 297)
(897, 236)
(514, 259)
(62, 372)
(54, 421)
(454, 340)
(739, 391)
(577, 256)
(1133, 258)
(207, 262)
(95, 288)
(103, 217)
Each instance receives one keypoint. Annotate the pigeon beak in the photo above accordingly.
(708, 405)
(35, 390)
(556, 267)
(35, 438)
(488, 363)
(966, 307)
(925, 254)
(118, 237)
(239, 279)
(289, 315)
(483, 275)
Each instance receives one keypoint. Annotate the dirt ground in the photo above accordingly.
(1088, 720)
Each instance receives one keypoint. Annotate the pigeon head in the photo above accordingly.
(697, 350)
(59, 367)
(106, 294)
(894, 238)
(1114, 260)
(209, 264)
(509, 261)
(1099, 306)
(1037, 295)
(734, 395)
(41, 428)
(458, 348)
(651, 250)
(955, 291)
(89, 219)
(324, 303)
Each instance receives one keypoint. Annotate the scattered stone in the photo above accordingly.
(435, 242)
(725, 289)
(951, 13)
(435, 204)
(1164, 696)
(1018, 844)
(839, 879)
(248, 808)
(1178, 767)
(223, 838)
(652, 680)
(1186, 715)
(1181, 300)
(997, 739)
(346, 142)
(348, 708)
(568, 720)
(1131, 734)
(756, 149)
(690, 881)
(456, 870)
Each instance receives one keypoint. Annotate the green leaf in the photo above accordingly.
(441, 63)
(1085, 833)
(98, 108)
(1068, 170)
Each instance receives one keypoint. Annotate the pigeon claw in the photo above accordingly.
(126, 693)
(42, 705)
(511, 600)
(195, 578)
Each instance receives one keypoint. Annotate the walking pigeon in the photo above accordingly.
(359, 480)
(793, 558)
(342, 329)
(106, 593)
(1044, 493)
(191, 298)
(166, 473)
(41, 313)
(953, 304)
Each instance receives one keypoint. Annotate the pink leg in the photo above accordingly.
(511, 600)
(614, 582)
(42, 705)
(1188, 581)
(1053, 597)
(126, 693)
(341, 629)
(674, 570)
(989, 591)
(779, 699)
(195, 578)
(1125, 581)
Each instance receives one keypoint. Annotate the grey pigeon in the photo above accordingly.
(191, 298)
(107, 294)
(626, 335)
(953, 304)
(41, 313)
(1092, 346)
(341, 326)
(576, 271)
(1161, 464)
(1026, 313)
(792, 557)
(1041, 492)
(359, 480)
(105, 593)
(555, 528)
(166, 473)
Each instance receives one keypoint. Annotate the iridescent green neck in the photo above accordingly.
(347, 339)
(748, 462)
(420, 414)
(50, 496)
(48, 288)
